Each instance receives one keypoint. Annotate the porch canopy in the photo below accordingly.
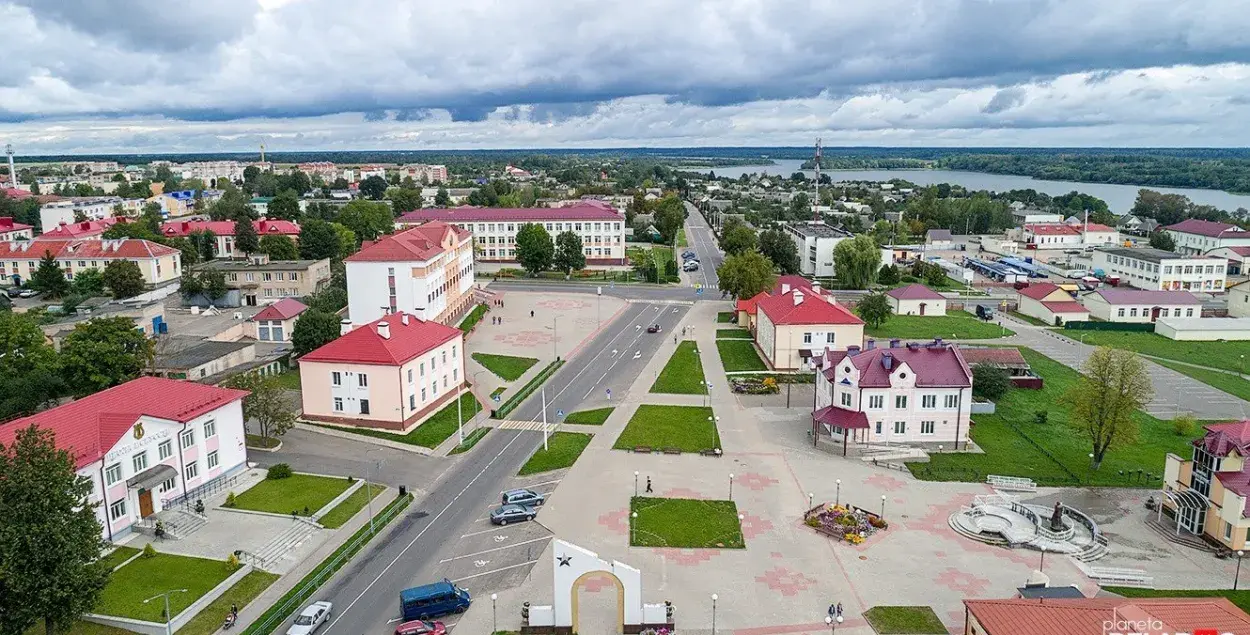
(1188, 499)
(151, 477)
(841, 418)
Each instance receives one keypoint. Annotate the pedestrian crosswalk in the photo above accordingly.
(509, 424)
(697, 285)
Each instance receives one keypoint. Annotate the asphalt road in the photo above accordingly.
(447, 534)
(703, 243)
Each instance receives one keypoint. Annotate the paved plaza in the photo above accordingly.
(788, 574)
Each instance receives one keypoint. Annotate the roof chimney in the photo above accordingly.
(785, 288)
(403, 317)
(913, 346)
(345, 327)
(816, 286)
(887, 361)
(384, 330)
(894, 342)
(798, 297)
(870, 344)
(852, 351)
(937, 343)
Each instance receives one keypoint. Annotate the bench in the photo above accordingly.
(642, 449)
(672, 450)
(1106, 576)
(1011, 483)
(714, 452)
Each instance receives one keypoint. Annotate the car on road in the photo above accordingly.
(14, 292)
(28, 293)
(691, 265)
(654, 328)
(421, 627)
(512, 514)
(432, 600)
(687, 255)
(523, 497)
(313, 616)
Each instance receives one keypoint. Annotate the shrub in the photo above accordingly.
(813, 521)
(233, 562)
(1184, 425)
(1040, 417)
(149, 551)
(279, 471)
(230, 502)
(990, 382)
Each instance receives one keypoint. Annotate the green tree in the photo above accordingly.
(534, 249)
(103, 353)
(246, 239)
(213, 282)
(874, 309)
(124, 279)
(1113, 386)
(49, 278)
(233, 204)
(266, 403)
(367, 219)
(89, 283)
(29, 372)
(738, 239)
(670, 216)
(856, 261)
(778, 247)
(190, 254)
(889, 275)
(746, 274)
(990, 382)
(1163, 240)
(442, 198)
(347, 241)
(279, 247)
(374, 187)
(314, 329)
(205, 242)
(50, 543)
(570, 255)
(284, 206)
(189, 284)
(250, 173)
(405, 200)
(151, 219)
(317, 240)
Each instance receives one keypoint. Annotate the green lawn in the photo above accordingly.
(1226, 355)
(244, 591)
(955, 325)
(594, 417)
(473, 318)
(518, 397)
(303, 494)
(469, 441)
(683, 374)
(289, 379)
(257, 441)
(683, 427)
(1231, 384)
(906, 620)
(118, 556)
(130, 585)
(1027, 318)
(1240, 597)
(84, 627)
(1010, 453)
(739, 355)
(345, 510)
(430, 434)
(733, 334)
(508, 368)
(661, 254)
(726, 317)
(562, 451)
(685, 523)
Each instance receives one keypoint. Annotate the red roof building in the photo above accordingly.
(81, 230)
(1050, 304)
(916, 299)
(12, 230)
(392, 373)
(224, 232)
(276, 322)
(1197, 236)
(1086, 616)
(427, 270)
(792, 327)
(145, 442)
(459, 215)
(283, 309)
(1209, 493)
(157, 262)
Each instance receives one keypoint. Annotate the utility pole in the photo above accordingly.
(544, 417)
(8, 149)
(816, 203)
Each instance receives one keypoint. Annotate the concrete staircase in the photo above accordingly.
(300, 530)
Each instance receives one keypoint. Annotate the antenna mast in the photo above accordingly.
(816, 203)
(8, 149)
(262, 151)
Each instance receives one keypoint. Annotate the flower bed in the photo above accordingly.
(843, 522)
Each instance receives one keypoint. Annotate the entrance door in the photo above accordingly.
(1154, 314)
(145, 503)
(249, 300)
(922, 308)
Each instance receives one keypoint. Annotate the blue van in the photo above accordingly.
(433, 600)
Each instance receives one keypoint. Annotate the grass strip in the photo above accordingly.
(528, 389)
(469, 441)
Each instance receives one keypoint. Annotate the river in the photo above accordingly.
(1119, 198)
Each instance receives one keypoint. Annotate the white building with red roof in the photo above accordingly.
(1066, 235)
(1047, 302)
(13, 230)
(146, 444)
(276, 322)
(426, 270)
(159, 263)
(1208, 494)
(224, 232)
(600, 226)
(916, 299)
(798, 324)
(1140, 305)
(919, 393)
(1197, 236)
(82, 230)
(392, 373)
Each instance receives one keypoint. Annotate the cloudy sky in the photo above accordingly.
(187, 76)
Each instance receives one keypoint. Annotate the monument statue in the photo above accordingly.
(1056, 518)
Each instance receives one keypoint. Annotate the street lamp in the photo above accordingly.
(475, 400)
(833, 623)
(1091, 459)
(883, 505)
(633, 532)
(368, 491)
(168, 618)
(1237, 575)
(1041, 566)
(635, 483)
(493, 615)
(939, 448)
(731, 486)
(810, 504)
(714, 598)
(838, 498)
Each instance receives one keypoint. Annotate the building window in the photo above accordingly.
(928, 401)
(952, 401)
(828, 338)
(1228, 531)
(363, 380)
(187, 438)
(846, 399)
(364, 406)
(165, 449)
(434, 387)
(338, 404)
(210, 429)
(410, 375)
(422, 395)
(926, 427)
(444, 357)
(112, 473)
(453, 351)
(1164, 312)
(1132, 312)
(807, 338)
(117, 510)
(1120, 312)
(422, 368)
(192, 471)
(900, 402)
(878, 427)
(412, 402)
(900, 427)
(1189, 312)
(212, 459)
(139, 461)
(336, 378)
(169, 485)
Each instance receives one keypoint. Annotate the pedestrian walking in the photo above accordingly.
(674, 338)
(839, 609)
(531, 313)
(648, 484)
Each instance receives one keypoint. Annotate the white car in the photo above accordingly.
(313, 616)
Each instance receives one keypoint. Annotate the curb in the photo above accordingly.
(415, 449)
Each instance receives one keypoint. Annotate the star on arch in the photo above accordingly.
(565, 560)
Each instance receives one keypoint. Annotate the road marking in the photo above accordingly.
(480, 563)
(513, 566)
(478, 533)
(555, 482)
(412, 542)
(471, 555)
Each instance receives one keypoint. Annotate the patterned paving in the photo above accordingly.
(785, 581)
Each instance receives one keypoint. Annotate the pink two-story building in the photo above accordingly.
(146, 444)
